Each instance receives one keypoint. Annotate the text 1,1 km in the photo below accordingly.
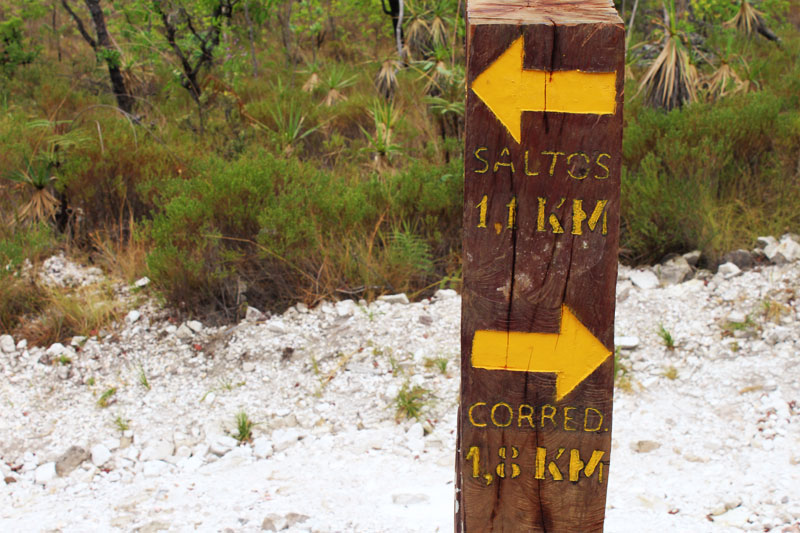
(546, 465)
(548, 220)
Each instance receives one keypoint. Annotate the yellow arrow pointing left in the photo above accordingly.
(572, 354)
(508, 90)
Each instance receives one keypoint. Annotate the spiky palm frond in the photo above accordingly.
(336, 81)
(386, 79)
(749, 20)
(724, 81)
(671, 79)
(36, 180)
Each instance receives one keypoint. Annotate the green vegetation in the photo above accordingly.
(666, 337)
(107, 398)
(142, 376)
(121, 424)
(271, 152)
(410, 401)
(244, 428)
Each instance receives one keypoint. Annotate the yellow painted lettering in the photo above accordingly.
(475, 455)
(483, 205)
(510, 415)
(512, 209)
(482, 160)
(509, 163)
(553, 219)
(569, 161)
(472, 419)
(540, 214)
(601, 165)
(568, 419)
(553, 468)
(579, 215)
(527, 172)
(586, 419)
(525, 416)
(595, 464)
(555, 159)
(575, 464)
(551, 416)
(541, 455)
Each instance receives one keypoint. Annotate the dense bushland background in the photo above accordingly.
(259, 152)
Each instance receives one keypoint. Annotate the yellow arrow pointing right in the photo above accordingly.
(572, 354)
(508, 90)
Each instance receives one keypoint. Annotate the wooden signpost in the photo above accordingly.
(541, 233)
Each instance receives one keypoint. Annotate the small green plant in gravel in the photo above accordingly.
(437, 362)
(244, 428)
(671, 373)
(410, 401)
(666, 336)
(64, 360)
(106, 398)
(143, 381)
(121, 424)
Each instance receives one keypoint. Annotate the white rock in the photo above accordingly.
(301, 307)
(195, 326)
(444, 294)
(142, 282)
(345, 308)
(184, 333)
(729, 270)
(644, 279)
(262, 448)
(158, 450)
(674, 271)
(693, 257)
(45, 473)
(253, 315)
(56, 349)
(100, 455)
(737, 317)
(154, 468)
(132, 316)
(284, 438)
(277, 326)
(77, 340)
(209, 398)
(222, 444)
(626, 342)
(410, 499)
(763, 242)
(21, 345)
(7, 344)
(394, 298)
(248, 367)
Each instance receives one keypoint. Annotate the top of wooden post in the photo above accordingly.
(556, 12)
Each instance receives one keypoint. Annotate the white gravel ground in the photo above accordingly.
(706, 436)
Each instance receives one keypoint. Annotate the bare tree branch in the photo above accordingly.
(79, 23)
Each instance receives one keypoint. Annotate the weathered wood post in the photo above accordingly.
(541, 233)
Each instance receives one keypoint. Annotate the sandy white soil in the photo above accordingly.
(706, 436)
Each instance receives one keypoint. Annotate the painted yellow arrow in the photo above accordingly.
(572, 354)
(508, 90)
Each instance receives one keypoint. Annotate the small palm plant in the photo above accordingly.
(386, 79)
(36, 179)
(313, 81)
(385, 116)
(749, 20)
(336, 81)
(670, 81)
(725, 80)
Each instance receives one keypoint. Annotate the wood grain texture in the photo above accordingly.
(518, 278)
